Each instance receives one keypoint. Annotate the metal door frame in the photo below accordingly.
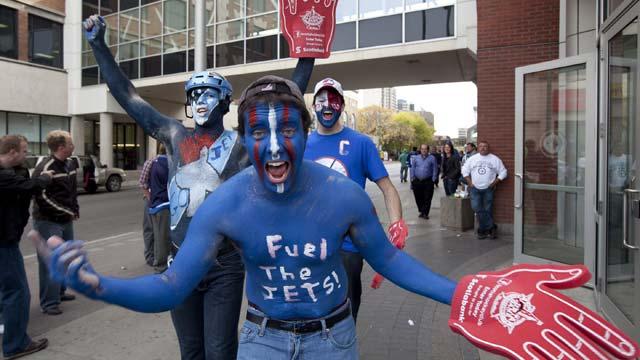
(590, 60)
(606, 305)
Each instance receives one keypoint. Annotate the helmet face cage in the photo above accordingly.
(210, 80)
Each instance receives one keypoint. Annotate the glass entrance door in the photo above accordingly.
(620, 188)
(555, 162)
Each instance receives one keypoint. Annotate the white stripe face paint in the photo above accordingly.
(273, 125)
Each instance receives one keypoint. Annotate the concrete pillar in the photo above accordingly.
(200, 49)
(77, 133)
(106, 139)
(152, 145)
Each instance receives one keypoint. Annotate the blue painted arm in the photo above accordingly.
(395, 265)
(302, 73)
(153, 122)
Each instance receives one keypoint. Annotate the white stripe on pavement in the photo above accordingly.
(94, 241)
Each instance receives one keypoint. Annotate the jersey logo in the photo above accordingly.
(342, 151)
(512, 309)
(335, 164)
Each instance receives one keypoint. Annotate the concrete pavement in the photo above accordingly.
(392, 324)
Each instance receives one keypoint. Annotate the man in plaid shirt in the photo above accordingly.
(147, 230)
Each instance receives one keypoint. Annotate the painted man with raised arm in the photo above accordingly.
(199, 161)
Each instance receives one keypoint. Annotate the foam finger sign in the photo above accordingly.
(518, 313)
(308, 26)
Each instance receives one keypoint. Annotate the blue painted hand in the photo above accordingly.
(94, 28)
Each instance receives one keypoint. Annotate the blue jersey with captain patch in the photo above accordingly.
(350, 153)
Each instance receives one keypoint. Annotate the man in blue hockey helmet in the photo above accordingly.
(199, 159)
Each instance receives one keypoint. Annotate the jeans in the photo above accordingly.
(482, 204)
(260, 342)
(403, 173)
(147, 235)
(50, 290)
(207, 321)
(423, 193)
(353, 263)
(450, 186)
(161, 241)
(15, 300)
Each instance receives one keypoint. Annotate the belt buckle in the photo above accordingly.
(301, 327)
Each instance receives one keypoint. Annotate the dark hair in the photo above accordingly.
(271, 89)
(11, 142)
(473, 146)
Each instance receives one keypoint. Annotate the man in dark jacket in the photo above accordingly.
(54, 210)
(159, 209)
(16, 190)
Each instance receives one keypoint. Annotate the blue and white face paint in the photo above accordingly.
(275, 141)
(203, 101)
(328, 107)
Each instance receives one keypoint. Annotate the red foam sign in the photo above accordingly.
(308, 26)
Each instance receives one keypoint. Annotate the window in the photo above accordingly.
(151, 20)
(229, 9)
(229, 31)
(175, 16)
(262, 25)
(261, 6)
(347, 10)
(27, 125)
(381, 31)
(175, 62)
(3, 123)
(229, 54)
(45, 41)
(130, 68)
(150, 66)
(429, 24)
(128, 4)
(129, 25)
(8, 31)
(90, 76)
(284, 47)
(345, 37)
(262, 49)
(374, 8)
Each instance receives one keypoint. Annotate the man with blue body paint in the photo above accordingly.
(288, 218)
(199, 160)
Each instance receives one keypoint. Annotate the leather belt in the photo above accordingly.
(301, 327)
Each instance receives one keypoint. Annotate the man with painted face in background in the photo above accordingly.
(279, 215)
(354, 155)
(198, 160)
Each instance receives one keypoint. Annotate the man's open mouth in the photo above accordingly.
(201, 111)
(327, 114)
(277, 171)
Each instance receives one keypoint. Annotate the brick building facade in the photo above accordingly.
(510, 34)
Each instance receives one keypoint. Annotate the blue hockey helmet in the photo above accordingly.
(209, 79)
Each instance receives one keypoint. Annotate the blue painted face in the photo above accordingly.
(328, 107)
(275, 141)
(203, 101)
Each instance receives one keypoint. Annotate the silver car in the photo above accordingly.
(91, 174)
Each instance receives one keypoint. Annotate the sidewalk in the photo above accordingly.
(392, 324)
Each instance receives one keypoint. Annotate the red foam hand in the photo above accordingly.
(308, 26)
(517, 313)
(398, 232)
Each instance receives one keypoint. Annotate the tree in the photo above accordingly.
(373, 120)
(423, 131)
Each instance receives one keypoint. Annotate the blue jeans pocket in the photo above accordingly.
(343, 334)
(247, 333)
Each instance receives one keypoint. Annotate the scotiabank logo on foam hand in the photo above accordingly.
(512, 309)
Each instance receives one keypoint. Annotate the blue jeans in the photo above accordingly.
(206, 322)
(50, 290)
(260, 342)
(450, 186)
(15, 300)
(482, 204)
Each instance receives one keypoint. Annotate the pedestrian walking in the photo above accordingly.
(54, 210)
(450, 169)
(354, 155)
(147, 228)
(404, 165)
(483, 172)
(159, 209)
(16, 190)
(424, 173)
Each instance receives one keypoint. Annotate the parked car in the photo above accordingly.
(91, 174)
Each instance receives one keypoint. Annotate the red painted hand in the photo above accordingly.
(398, 232)
(517, 313)
(308, 26)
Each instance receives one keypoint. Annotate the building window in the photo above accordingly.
(174, 62)
(229, 54)
(381, 31)
(128, 4)
(347, 10)
(45, 41)
(90, 76)
(284, 47)
(262, 25)
(8, 31)
(262, 49)
(108, 7)
(35, 128)
(429, 24)
(229, 9)
(375, 8)
(151, 66)
(175, 16)
(130, 68)
(3, 123)
(345, 37)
